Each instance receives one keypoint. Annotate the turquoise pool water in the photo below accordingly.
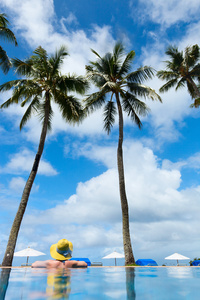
(101, 283)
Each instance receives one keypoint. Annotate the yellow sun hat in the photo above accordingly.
(62, 250)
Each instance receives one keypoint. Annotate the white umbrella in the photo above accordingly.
(28, 252)
(114, 255)
(177, 256)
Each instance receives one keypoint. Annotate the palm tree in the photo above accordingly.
(8, 35)
(43, 84)
(111, 74)
(182, 69)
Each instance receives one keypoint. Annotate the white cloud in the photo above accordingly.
(163, 116)
(23, 161)
(69, 20)
(169, 12)
(192, 162)
(92, 217)
(27, 20)
(161, 215)
(17, 185)
(32, 20)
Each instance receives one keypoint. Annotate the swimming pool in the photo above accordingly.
(170, 283)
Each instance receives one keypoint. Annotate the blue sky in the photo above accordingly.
(75, 194)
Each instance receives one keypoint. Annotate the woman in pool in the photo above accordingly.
(62, 252)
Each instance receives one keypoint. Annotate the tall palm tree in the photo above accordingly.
(43, 84)
(111, 74)
(183, 69)
(7, 35)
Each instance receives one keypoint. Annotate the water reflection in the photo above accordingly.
(130, 283)
(5, 275)
(180, 272)
(58, 284)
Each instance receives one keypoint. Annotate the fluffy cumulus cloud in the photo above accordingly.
(23, 161)
(161, 215)
(30, 20)
(27, 19)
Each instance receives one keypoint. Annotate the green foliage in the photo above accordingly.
(182, 69)
(43, 82)
(191, 261)
(119, 90)
(112, 75)
(7, 35)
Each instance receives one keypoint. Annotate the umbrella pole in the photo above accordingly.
(27, 260)
(115, 261)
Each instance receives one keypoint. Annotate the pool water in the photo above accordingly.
(101, 283)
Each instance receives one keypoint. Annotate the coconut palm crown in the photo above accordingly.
(119, 90)
(182, 69)
(7, 35)
(42, 84)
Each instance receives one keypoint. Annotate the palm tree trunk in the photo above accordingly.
(4, 280)
(129, 258)
(8, 257)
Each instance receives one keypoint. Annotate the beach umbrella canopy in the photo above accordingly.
(28, 252)
(114, 255)
(177, 256)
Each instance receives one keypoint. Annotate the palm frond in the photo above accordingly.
(4, 20)
(5, 32)
(191, 90)
(134, 107)
(94, 101)
(28, 113)
(176, 56)
(42, 66)
(108, 65)
(192, 55)
(126, 65)
(168, 85)
(41, 52)
(97, 54)
(41, 110)
(143, 91)
(118, 53)
(110, 85)
(95, 66)
(118, 50)
(8, 85)
(7, 103)
(71, 109)
(98, 78)
(73, 83)
(195, 72)
(109, 116)
(167, 75)
(5, 63)
(196, 103)
(57, 59)
(141, 74)
(7, 35)
(180, 84)
(22, 68)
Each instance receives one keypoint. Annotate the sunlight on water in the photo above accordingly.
(101, 283)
